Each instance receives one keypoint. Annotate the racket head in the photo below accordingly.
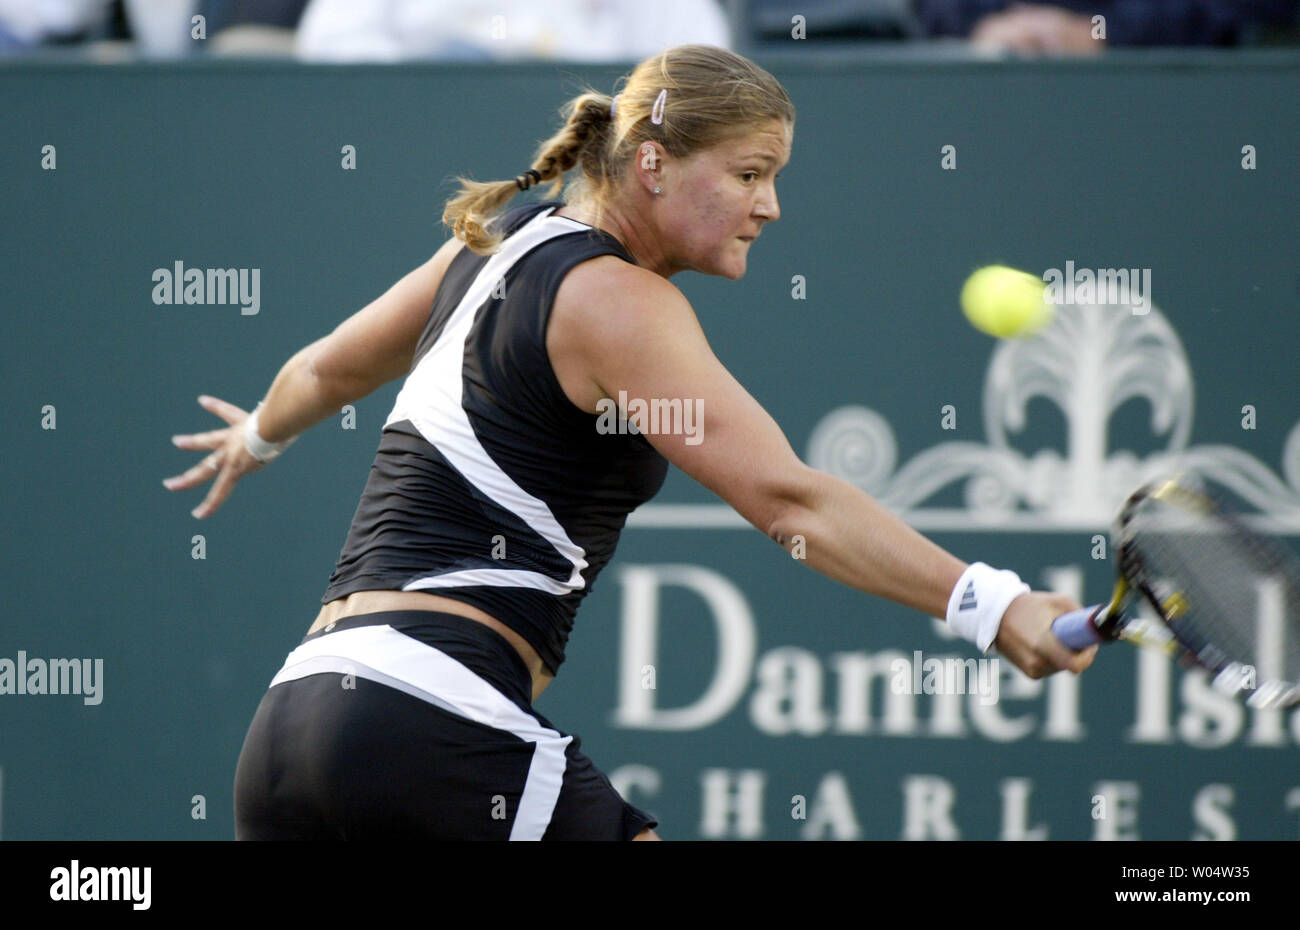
(1228, 596)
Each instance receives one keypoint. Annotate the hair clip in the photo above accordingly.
(657, 111)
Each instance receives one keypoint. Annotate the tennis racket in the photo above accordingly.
(1227, 598)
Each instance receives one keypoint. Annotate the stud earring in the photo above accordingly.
(658, 190)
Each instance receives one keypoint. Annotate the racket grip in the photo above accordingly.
(1076, 628)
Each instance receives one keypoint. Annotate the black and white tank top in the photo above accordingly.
(490, 487)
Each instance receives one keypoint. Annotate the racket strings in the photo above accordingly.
(1225, 593)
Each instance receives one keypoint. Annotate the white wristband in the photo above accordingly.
(258, 447)
(979, 600)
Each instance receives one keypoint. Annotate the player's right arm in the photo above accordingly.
(372, 347)
(367, 350)
(619, 328)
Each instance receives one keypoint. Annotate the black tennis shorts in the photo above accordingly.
(416, 724)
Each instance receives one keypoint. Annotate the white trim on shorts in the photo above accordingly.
(384, 655)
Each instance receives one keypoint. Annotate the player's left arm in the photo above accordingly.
(640, 337)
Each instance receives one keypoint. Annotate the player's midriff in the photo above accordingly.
(369, 602)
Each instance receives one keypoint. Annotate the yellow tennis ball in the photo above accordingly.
(1004, 302)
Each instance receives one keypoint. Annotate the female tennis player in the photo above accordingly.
(499, 488)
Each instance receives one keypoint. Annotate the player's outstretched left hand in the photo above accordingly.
(1025, 636)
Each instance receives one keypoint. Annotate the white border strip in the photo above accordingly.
(383, 655)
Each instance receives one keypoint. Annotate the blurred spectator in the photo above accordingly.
(1066, 26)
(261, 28)
(164, 28)
(223, 14)
(836, 20)
(27, 24)
(579, 30)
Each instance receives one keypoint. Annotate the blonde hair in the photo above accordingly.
(687, 99)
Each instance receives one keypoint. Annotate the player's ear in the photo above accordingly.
(650, 158)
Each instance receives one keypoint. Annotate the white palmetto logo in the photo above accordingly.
(1088, 363)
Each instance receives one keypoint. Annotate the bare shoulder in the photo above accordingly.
(608, 290)
(607, 311)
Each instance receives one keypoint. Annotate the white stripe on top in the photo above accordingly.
(432, 400)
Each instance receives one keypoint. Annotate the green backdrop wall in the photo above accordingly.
(770, 681)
